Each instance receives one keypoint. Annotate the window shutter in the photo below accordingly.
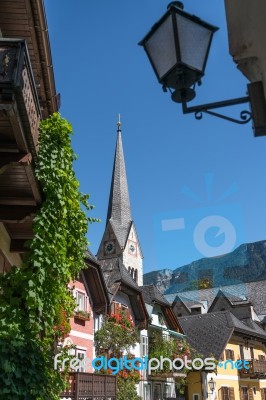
(117, 308)
(250, 394)
(231, 393)
(232, 355)
(241, 348)
(227, 354)
(241, 394)
(263, 394)
(252, 353)
(222, 357)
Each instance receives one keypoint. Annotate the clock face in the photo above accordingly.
(132, 247)
(109, 247)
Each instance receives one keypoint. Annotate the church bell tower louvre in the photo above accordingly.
(120, 239)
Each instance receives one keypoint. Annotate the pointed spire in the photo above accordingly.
(119, 210)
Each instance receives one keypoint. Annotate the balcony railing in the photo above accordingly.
(257, 368)
(83, 385)
(18, 94)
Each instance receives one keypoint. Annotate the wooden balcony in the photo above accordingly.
(94, 386)
(20, 194)
(257, 369)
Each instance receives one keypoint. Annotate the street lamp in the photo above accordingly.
(212, 385)
(178, 47)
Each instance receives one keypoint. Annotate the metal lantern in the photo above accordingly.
(178, 47)
(212, 385)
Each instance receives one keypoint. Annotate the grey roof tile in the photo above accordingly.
(114, 271)
(152, 294)
(254, 292)
(119, 210)
(209, 333)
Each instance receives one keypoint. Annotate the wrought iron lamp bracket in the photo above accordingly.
(245, 116)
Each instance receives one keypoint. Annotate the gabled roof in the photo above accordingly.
(152, 295)
(209, 333)
(232, 300)
(119, 210)
(117, 278)
(114, 271)
(188, 303)
(95, 284)
(254, 292)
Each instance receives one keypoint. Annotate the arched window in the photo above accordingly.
(135, 275)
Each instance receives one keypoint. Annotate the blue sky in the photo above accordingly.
(182, 173)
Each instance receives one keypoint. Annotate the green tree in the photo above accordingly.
(115, 338)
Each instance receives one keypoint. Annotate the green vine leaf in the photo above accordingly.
(35, 302)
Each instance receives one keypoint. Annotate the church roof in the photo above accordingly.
(119, 210)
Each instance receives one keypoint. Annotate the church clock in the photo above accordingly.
(109, 247)
(132, 247)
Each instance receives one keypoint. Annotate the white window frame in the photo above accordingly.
(84, 306)
(144, 345)
(80, 351)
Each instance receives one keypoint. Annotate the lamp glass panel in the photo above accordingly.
(161, 48)
(194, 41)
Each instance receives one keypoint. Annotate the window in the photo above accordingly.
(167, 390)
(157, 392)
(227, 393)
(80, 354)
(229, 354)
(97, 322)
(81, 300)
(263, 394)
(241, 349)
(196, 396)
(244, 393)
(252, 353)
(196, 310)
(147, 391)
(261, 357)
(136, 275)
(144, 346)
(161, 318)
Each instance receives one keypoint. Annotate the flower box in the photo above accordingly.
(82, 315)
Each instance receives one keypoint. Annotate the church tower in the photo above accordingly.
(120, 238)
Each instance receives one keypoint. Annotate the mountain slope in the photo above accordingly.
(247, 263)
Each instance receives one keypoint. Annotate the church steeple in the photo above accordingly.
(119, 210)
(120, 238)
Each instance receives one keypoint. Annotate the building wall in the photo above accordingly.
(194, 382)
(246, 33)
(133, 259)
(82, 332)
(229, 377)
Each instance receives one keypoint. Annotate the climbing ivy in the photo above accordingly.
(36, 301)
